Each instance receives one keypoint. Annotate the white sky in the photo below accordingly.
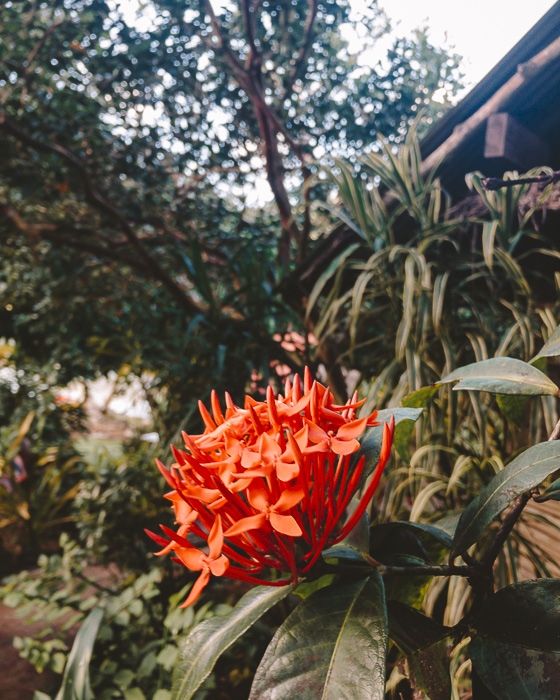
(482, 31)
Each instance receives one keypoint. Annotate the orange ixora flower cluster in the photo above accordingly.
(269, 486)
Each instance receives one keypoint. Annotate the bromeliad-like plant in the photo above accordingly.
(276, 493)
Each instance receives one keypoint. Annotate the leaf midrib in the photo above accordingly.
(339, 637)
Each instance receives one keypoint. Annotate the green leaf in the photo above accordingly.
(134, 694)
(428, 669)
(516, 648)
(551, 348)
(332, 647)
(208, 640)
(420, 398)
(410, 629)
(489, 229)
(513, 407)
(551, 493)
(502, 375)
(514, 672)
(525, 472)
(75, 681)
(307, 588)
(403, 543)
(373, 438)
(437, 533)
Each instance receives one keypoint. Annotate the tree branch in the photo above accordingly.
(96, 199)
(496, 183)
(304, 48)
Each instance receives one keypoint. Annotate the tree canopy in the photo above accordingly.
(135, 136)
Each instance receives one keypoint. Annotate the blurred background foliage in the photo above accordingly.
(169, 176)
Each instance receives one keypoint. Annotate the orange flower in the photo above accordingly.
(267, 486)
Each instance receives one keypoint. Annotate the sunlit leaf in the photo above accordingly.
(502, 375)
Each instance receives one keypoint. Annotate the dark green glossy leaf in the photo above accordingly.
(332, 647)
(410, 629)
(358, 538)
(427, 645)
(345, 552)
(502, 375)
(208, 640)
(551, 493)
(516, 646)
(392, 543)
(526, 613)
(513, 672)
(551, 348)
(75, 681)
(428, 669)
(449, 522)
(525, 472)
(436, 532)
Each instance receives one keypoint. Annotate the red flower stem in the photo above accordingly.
(366, 498)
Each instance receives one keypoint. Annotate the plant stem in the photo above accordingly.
(506, 527)
(555, 434)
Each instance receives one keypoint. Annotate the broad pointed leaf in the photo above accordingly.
(410, 629)
(332, 647)
(208, 640)
(75, 681)
(551, 493)
(437, 533)
(516, 649)
(426, 644)
(551, 348)
(525, 472)
(502, 375)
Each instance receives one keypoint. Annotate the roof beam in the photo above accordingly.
(507, 139)
(497, 103)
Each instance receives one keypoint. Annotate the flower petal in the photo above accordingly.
(253, 522)
(288, 499)
(191, 557)
(250, 459)
(285, 524)
(216, 539)
(344, 447)
(270, 449)
(199, 585)
(316, 434)
(258, 497)
(286, 471)
(219, 567)
(352, 429)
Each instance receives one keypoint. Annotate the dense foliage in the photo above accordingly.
(170, 173)
(134, 138)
